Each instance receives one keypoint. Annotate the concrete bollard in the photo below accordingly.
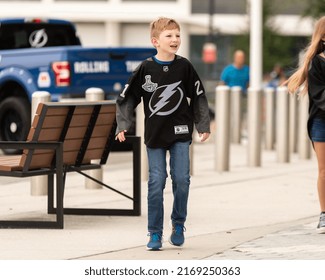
(304, 144)
(269, 93)
(39, 183)
(140, 133)
(94, 94)
(236, 114)
(282, 127)
(254, 126)
(293, 123)
(222, 144)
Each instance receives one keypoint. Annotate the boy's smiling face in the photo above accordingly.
(168, 42)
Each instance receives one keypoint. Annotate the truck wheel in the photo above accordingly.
(14, 121)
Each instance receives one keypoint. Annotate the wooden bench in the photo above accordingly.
(67, 137)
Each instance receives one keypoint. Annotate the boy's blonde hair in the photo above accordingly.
(162, 24)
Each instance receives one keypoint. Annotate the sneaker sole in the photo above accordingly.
(169, 240)
(154, 249)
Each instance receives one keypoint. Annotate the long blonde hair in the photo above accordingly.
(316, 46)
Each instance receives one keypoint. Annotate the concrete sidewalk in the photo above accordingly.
(267, 212)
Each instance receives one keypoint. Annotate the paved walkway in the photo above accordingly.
(267, 212)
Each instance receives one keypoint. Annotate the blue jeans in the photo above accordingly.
(180, 175)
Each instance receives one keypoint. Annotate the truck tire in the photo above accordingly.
(15, 121)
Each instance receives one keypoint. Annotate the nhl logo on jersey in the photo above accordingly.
(165, 68)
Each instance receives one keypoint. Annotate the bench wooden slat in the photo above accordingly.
(52, 134)
(93, 154)
(108, 109)
(96, 142)
(76, 132)
(39, 160)
(50, 121)
(72, 145)
(10, 163)
(69, 157)
(51, 110)
(101, 130)
(80, 120)
(105, 119)
(84, 110)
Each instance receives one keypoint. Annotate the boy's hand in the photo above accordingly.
(120, 136)
(204, 136)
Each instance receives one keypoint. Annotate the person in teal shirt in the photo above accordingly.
(237, 73)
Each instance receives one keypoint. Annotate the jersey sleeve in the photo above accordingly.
(127, 101)
(199, 103)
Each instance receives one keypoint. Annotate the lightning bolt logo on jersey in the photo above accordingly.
(166, 100)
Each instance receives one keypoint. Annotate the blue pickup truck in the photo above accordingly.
(46, 55)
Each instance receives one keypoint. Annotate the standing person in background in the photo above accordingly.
(174, 100)
(237, 73)
(277, 77)
(310, 78)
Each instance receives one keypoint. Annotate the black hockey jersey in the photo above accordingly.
(173, 99)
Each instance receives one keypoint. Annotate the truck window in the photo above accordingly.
(36, 35)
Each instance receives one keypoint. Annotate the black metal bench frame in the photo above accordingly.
(57, 170)
(135, 211)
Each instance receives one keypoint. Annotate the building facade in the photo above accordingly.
(126, 22)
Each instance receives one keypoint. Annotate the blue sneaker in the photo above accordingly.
(177, 237)
(155, 242)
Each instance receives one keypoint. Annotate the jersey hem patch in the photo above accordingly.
(181, 129)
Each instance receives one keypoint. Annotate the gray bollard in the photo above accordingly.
(222, 144)
(39, 183)
(254, 126)
(269, 94)
(140, 133)
(94, 94)
(304, 144)
(236, 114)
(293, 123)
(282, 127)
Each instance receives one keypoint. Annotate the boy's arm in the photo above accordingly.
(125, 105)
(200, 106)
(124, 112)
(201, 116)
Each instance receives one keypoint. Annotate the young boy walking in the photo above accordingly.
(173, 99)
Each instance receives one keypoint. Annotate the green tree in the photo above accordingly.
(315, 9)
(276, 48)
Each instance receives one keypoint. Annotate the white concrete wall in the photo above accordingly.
(114, 22)
(92, 34)
(135, 34)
